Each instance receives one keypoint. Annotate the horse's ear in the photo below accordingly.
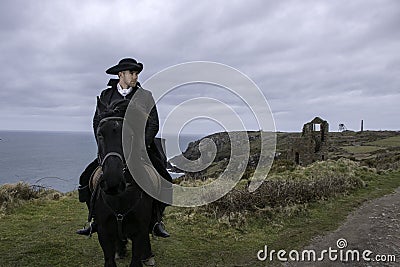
(101, 107)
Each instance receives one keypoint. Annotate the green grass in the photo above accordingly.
(361, 149)
(42, 232)
(393, 141)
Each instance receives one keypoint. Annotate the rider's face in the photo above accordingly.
(128, 78)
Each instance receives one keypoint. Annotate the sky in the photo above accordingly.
(338, 60)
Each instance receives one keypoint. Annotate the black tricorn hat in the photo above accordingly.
(125, 64)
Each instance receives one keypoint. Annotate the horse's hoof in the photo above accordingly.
(150, 261)
(122, 252)
(119, 256)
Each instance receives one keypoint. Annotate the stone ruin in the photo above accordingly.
(312, 145)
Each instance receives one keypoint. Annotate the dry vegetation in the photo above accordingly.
(13, 195)
(289, 189)
(289, 192)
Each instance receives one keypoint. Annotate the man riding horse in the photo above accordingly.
(125, 87)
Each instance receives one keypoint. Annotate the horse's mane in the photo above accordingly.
(136, 118)
(116, 108)
(119, 107)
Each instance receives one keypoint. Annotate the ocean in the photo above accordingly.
(51, 159)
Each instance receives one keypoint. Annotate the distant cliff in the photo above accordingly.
(378, 149)
(193, 159)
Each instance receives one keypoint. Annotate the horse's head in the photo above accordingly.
(110, 152)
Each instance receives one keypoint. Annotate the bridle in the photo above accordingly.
(112, 153)
(119, 217)
(109, 154)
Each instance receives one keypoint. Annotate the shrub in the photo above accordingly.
(291, 191)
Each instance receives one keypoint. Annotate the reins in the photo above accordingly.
(118, 216)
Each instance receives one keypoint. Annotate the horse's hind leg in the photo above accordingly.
(108, 246)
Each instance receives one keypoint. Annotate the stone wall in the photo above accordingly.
(313, 143)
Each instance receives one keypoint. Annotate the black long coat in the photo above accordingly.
(111, 94)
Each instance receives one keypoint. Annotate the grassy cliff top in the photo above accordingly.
(41, 231)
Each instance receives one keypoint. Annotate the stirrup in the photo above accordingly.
(91, 229)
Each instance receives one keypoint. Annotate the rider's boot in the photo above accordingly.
(159, 230)
(92, 228)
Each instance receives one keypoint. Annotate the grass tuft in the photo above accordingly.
(13, 195)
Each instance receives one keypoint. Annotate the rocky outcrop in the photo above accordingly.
(215, 151)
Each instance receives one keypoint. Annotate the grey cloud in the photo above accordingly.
(327, 58)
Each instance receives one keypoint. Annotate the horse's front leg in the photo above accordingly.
(107, 243)
(141, 250)
(121, 251)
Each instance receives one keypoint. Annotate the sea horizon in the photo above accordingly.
(51, 159)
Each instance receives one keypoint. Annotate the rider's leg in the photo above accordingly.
(85, 196)
(158, 159)
(92, 228)
(157, 225)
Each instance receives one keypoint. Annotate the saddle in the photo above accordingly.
(153, 178)
(95, 178)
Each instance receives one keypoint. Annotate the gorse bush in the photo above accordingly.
(292, 190)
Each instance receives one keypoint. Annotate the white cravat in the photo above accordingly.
(123, 92)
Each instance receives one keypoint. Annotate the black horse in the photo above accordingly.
(121, 208)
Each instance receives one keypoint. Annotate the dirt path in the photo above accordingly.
(375, 226)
